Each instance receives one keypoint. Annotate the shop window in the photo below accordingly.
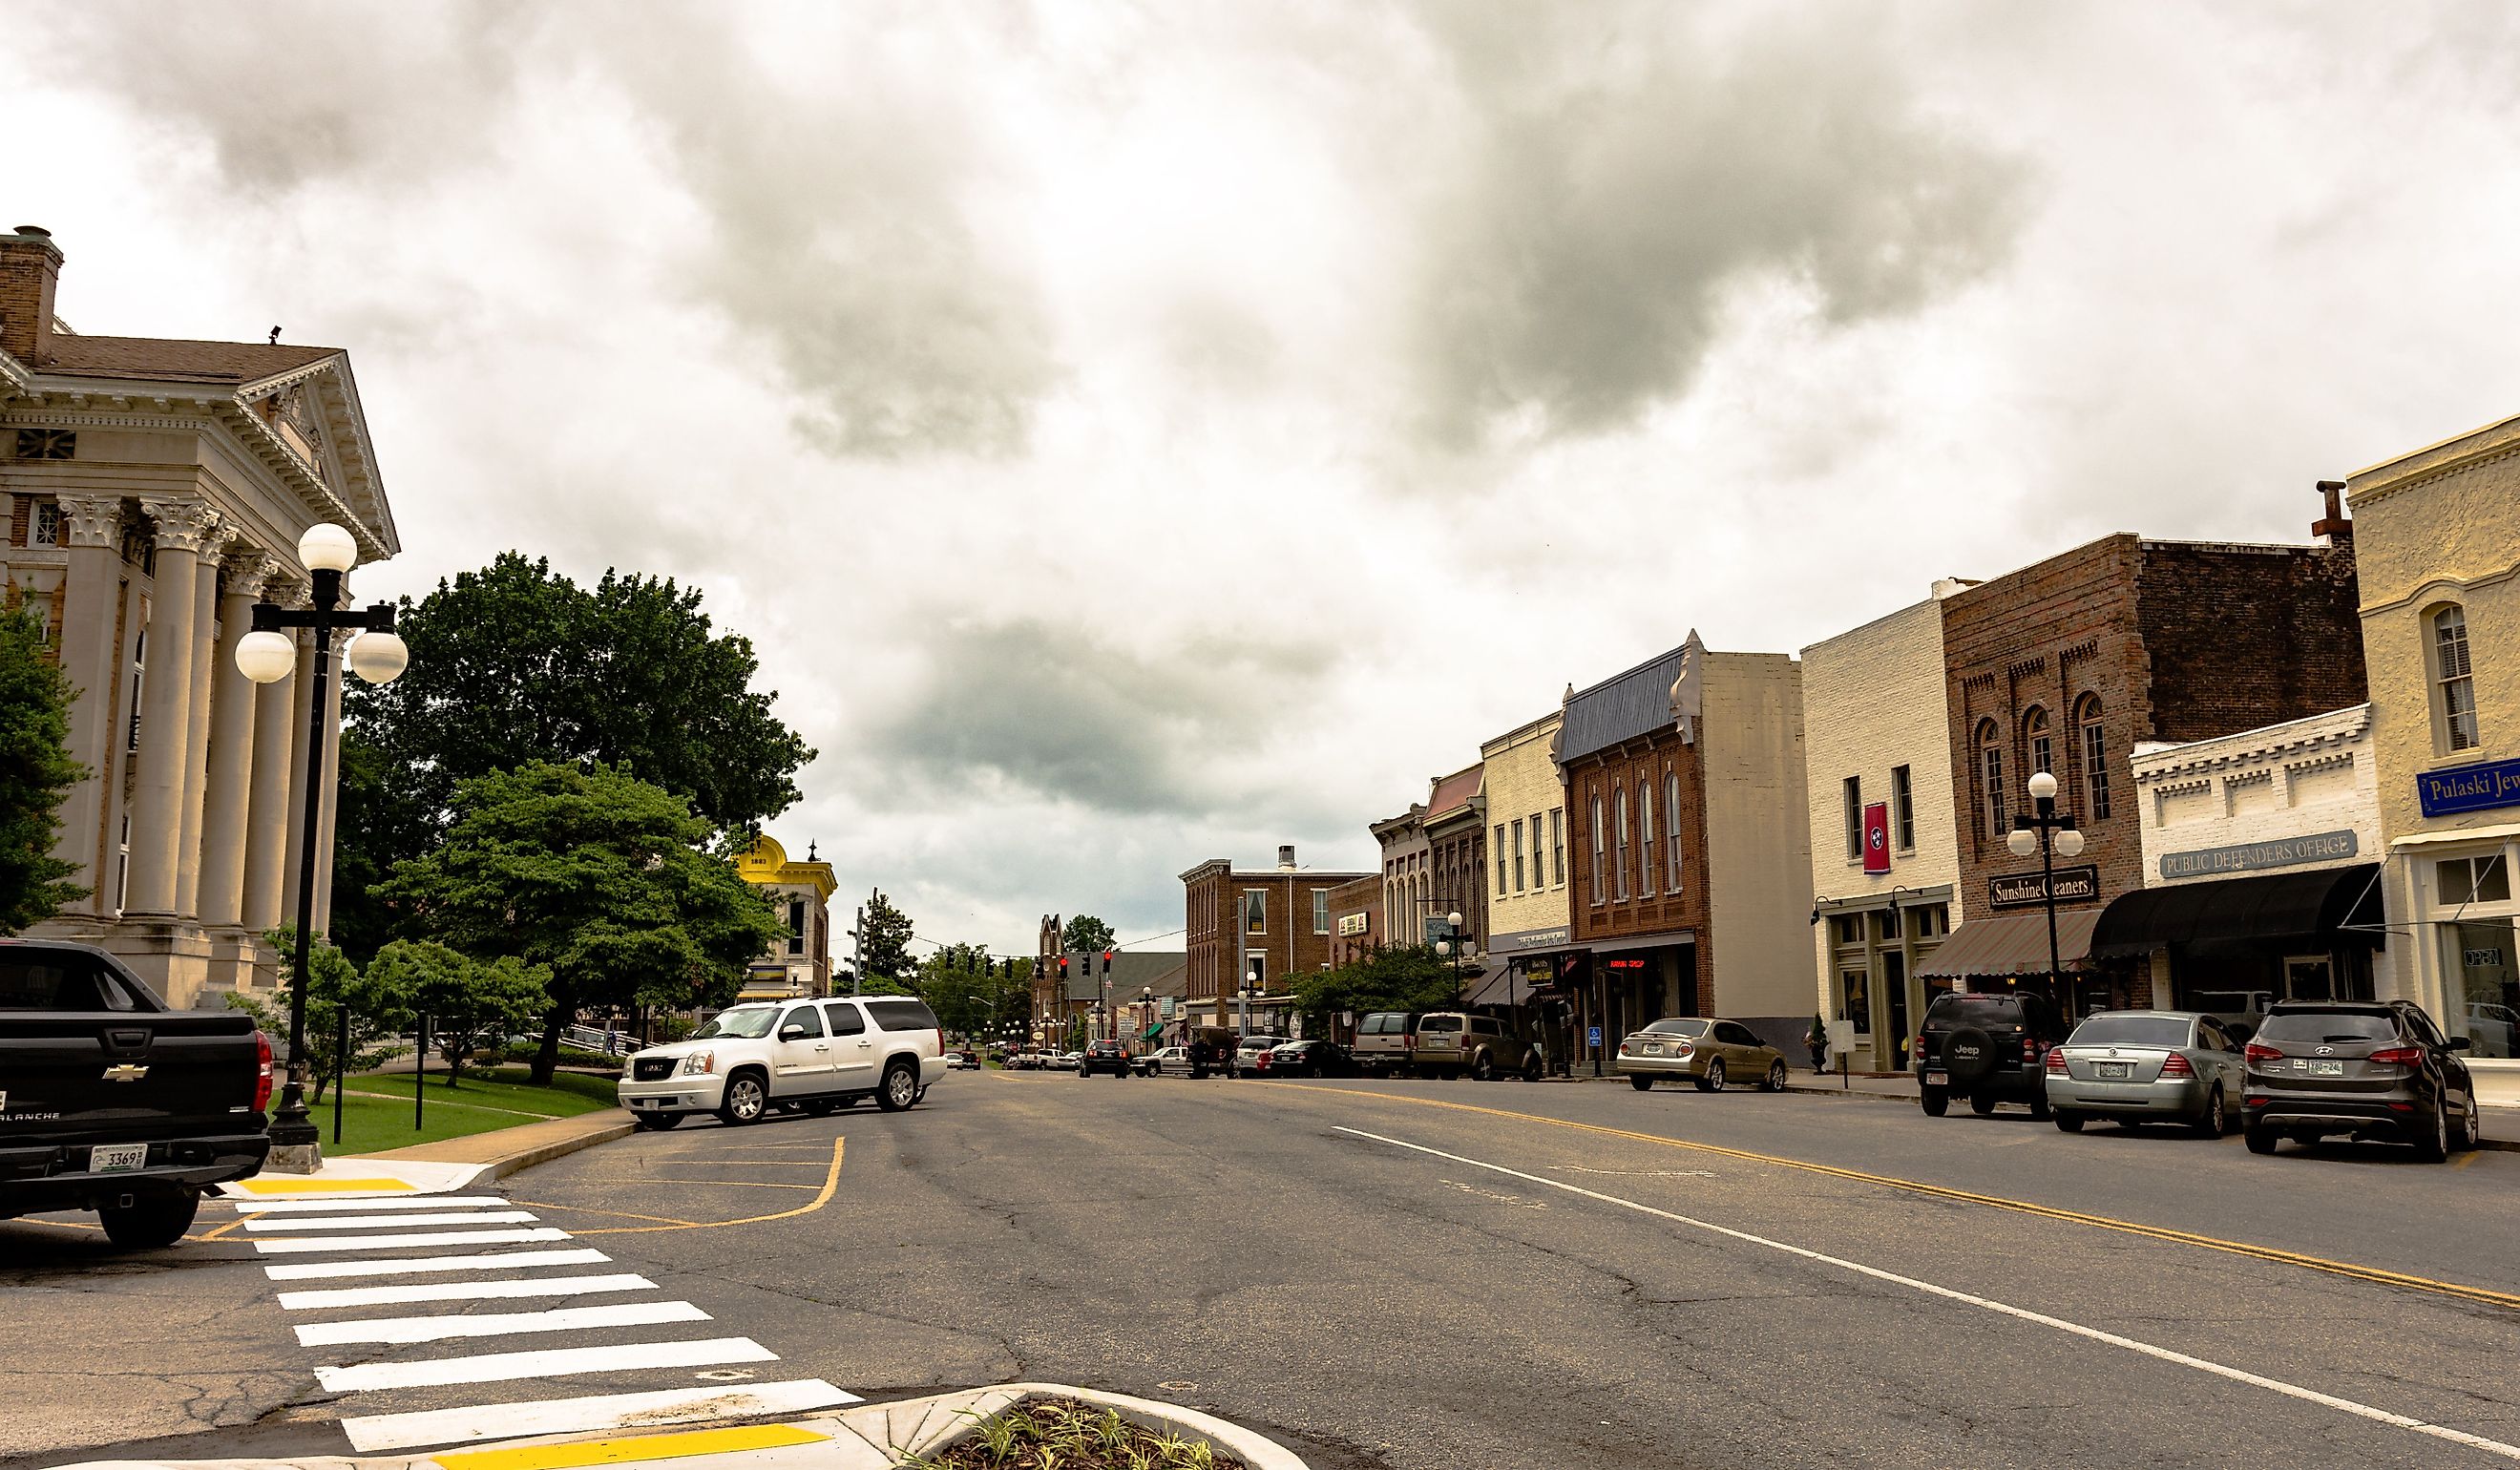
(1517, 854)
(2096, 756)
(1990, 775)
(1851, 796)
(1671, 829)
(2481, 963)
(2473, 880)
(1500, 852)
(1903, 809)
(1855, 991)
(1849, 929)
(1556, 843)
(1621, 801)
(2042, 746)
(1887, 924)
(2454, 680)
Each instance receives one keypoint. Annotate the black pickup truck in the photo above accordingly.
(112, 1103)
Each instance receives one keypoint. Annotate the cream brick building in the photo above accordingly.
(2437, 533)
(1527, 910)
(151, 491)
(1875, 731)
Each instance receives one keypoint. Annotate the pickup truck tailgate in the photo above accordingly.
(136, 1074)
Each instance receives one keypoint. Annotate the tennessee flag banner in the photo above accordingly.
(1876, 837)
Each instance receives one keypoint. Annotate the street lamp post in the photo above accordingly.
(1452, 948)
(266, 655)
(2047, 831)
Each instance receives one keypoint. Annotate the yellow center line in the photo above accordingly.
(2347, 1269)
(831, 1187)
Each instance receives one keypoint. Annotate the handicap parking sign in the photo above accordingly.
(1591, 1036)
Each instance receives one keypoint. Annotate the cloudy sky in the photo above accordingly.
(1136, 433)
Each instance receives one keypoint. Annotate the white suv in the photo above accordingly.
(817, 1056)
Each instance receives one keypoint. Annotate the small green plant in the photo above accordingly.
(1061, 1434)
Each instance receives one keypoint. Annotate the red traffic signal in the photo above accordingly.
(1063, 967)
(1107, 962)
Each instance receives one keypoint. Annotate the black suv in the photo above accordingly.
(1106, 1056)
(1988, 1047)
(2368, 1068)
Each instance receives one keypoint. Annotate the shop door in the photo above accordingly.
(2308, 977)
(1893, 990)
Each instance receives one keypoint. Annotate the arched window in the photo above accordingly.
(1601, 858)
(2036, 739)
(1621, 800)
(1990, 775)
(1645, 853)
(2096, 756)
(1671, 831)
(2453, 676)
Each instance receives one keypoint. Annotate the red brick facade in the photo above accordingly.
(1295, 933)
(1644, 769)
(1356, 908)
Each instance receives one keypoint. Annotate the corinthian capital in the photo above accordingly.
(92, 519)
(253, 572)
(185, 525)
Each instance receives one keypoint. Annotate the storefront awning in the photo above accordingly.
(2263, 905)
(2010, 943)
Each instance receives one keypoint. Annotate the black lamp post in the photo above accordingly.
(267, 655)
(2050, 832)
(1452, 945)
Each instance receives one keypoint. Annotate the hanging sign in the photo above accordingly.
(1876, 837)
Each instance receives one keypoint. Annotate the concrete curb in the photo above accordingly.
(508, 1150)
(922, 1426)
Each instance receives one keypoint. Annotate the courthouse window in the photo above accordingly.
(47, 527)
(2454, 678)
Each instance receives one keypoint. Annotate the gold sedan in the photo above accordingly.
(1706, 1051)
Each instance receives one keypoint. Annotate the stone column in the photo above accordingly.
(89, 647)
(266, 843)
(165, 733)
(197, 745)
(235, 741)
(329, 793)
(302, 694)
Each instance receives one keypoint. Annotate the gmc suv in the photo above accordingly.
(814, 1056)
(1988, 1047)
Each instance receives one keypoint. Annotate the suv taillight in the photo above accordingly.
(262, 1072)
(2056, 1064)
(2176, 1065)
(2398, 1056)
(1919, 1049)
(2258, 1052)
(1408, 1038)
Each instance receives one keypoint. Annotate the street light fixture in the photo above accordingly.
(1452, 948)
(267, 655)
(2047, 832)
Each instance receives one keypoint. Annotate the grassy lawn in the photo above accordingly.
(375, 1113)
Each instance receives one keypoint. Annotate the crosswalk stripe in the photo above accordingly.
(370, 1434)
(405, 1242)
(457, 1291)
(391, 1221)
(430, 1329)
(336, 1206)
(317, 1270)
(550, 1362)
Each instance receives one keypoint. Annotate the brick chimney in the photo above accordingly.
(31, 271)
(2333, 526)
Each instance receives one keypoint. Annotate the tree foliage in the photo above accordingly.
(378, 1013)
(886, 953)
(469, 1002)
(513, 665)
(974, 993)
(35, 773)
(1086, 935)
(1409, 977)
(602, 880)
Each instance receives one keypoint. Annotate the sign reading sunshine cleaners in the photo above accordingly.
(2470, 788)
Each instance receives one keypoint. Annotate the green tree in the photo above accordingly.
(468, 1003)
(958, 984)
(35, 773)
(602, 880)
(1410, 977)
(886, 956)
(514, 665)
(1086, 935)
(378, 1013)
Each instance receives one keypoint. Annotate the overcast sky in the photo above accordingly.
(1141, 433)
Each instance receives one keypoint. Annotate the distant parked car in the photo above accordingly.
(1384, 1041)
(2370, 1069)
(1169, 1060)
(1246, 1054)
(1466, 1043)
(1309, 1058)
(1064, 1061)
(1988, 1047)
(954, 1061)
(2146, 1066)
(1708, 1053)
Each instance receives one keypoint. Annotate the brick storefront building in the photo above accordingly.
(1356, 919)
(2067, 665)
(1260, 923)
(1456, 852)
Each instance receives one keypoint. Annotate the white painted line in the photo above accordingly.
(317, 1270)
(457, 1291)
(372, 1433)
(390, 1221)
(405, 1242)
(550, 1362)
(394, 1202)
(430, 1329)
(1989, 1304)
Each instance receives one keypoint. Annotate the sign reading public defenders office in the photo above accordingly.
(2249, 856)
(2074, 885)
(2470, 788)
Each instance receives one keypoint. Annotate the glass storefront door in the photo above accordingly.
(2483, 968)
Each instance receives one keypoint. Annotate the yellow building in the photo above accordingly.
(800, 962)
(2437, 536)
(1527, 912)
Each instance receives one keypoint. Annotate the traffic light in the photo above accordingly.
(1063, 967)
(1107, 962)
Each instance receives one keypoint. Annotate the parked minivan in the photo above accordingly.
(1384, 1041)
(1458, 1042)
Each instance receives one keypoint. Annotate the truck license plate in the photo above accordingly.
(110, 1158)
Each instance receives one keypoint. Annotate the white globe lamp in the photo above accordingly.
(2069, 843)
(2043, 786)
(2022, 843)
(376, 657)
(327, 547)
(266, 657)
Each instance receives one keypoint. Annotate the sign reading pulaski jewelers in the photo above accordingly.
(2249, 856)
(2074, 885)
(2470, 788)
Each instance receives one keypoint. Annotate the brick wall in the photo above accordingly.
(1360, 897)
(2244, 636)
(1601, 775)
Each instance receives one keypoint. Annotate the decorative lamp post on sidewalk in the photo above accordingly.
(2049, 833)
(1451, 944)
(267, 655)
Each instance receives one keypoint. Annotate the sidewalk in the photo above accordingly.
(503, 1151)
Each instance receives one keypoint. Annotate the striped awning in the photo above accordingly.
(2010, 943)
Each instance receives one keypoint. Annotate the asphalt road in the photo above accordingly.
(1439, 1274)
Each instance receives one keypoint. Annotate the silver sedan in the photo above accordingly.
(2140, 1066)
(1702, 1050)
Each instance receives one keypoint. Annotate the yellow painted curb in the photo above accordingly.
(631, 1449)
(313, 1186)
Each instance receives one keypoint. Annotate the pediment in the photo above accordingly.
(314, 413)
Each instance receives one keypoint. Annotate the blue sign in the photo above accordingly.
(2470, 788)
(1591, 1036)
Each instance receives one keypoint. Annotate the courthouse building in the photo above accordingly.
(153, 490)
(2440, 536)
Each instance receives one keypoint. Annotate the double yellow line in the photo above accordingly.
(2266, 1253)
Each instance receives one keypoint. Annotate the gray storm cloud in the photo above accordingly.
(1624, 171)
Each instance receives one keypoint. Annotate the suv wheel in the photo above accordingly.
(900, 1086)
(2262, 1140)
(2212, 1123)
(1713, 1081)
(2434, 1145)
(1482, 1068)
(747, 1099)
(150, 1221)
(1982, 1104)
(1937, 1100)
